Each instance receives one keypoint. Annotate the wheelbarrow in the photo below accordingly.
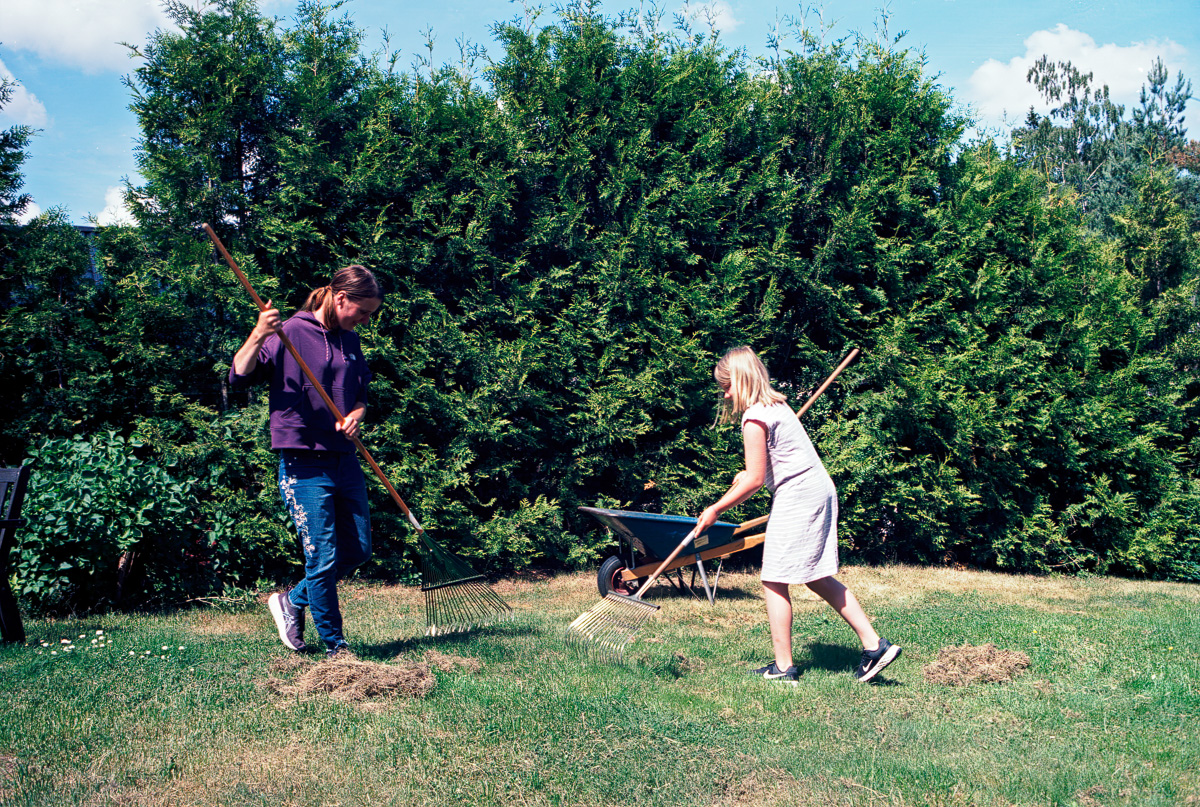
(646, 538)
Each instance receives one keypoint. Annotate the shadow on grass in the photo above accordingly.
(839, 658)
(832, 657)
(388, 650)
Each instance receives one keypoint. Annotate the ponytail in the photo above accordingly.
(316, 298)
(356, 280)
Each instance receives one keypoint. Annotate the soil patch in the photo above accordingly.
(8, 769)
(448, 662)
(215, 623)
(522, 581)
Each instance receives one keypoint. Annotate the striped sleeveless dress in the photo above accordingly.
(801, 543)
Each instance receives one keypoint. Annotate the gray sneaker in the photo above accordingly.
(289, 620)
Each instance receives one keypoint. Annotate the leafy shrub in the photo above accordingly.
(101, 523)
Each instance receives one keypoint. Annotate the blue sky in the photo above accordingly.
(66, 57)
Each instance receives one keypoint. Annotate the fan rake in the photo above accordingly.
(607, 627)
(457, 598)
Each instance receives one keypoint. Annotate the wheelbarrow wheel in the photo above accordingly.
(609, 578)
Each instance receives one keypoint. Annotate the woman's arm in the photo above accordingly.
(746, 483)
(246, 359)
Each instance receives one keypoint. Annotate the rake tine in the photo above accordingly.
(448, 609)
(457, 599)
(457, 613)
(453, 608)
(613, 622)
(612, 639)
(438, 616)
(441, 615)
(605, 630)
(462, 605)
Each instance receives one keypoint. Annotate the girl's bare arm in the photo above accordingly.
(747, 482)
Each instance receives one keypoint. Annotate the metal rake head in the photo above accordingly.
(457, 598)
(604, 631)
(462, 605)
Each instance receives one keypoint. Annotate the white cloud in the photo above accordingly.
(32, 211)
(81, 33)
(115, 211)
(718, 13)
(23, 108)
(999, 89)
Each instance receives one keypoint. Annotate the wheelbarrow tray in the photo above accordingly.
(657, 535)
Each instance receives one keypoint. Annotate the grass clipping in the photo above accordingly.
(349, 679)
(959, 666)
(354, 681)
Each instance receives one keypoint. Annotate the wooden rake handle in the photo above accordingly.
(746, 526)
(837, 371)
(313, 380)
(674, 554)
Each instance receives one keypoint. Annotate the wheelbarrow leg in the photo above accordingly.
(717, 576)
(685, 585)
(711, 591)
(678, 581)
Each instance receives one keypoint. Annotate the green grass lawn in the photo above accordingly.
(172, 709)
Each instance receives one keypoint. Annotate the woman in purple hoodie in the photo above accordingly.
(319, 476)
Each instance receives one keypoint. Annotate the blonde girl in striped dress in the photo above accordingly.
(801, 544)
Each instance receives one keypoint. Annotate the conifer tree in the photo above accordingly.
(572, 229)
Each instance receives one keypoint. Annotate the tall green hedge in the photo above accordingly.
(572, 230)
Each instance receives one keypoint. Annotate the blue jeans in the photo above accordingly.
(326, 496)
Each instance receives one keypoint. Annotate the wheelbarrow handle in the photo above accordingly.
(747, 526)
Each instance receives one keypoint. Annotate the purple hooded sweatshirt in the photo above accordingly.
(299, 418)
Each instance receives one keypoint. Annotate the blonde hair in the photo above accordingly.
(748, 382)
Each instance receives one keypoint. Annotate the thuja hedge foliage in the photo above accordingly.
(571, 230)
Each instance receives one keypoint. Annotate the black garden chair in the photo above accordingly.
(12, 493)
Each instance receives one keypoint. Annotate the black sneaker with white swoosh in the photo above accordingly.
(772, 673)
(875, 660)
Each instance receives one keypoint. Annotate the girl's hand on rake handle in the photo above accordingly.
(706, 520)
